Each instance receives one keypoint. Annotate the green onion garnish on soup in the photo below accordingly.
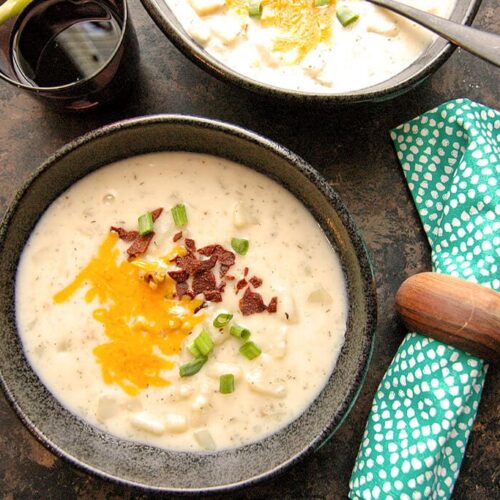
(240, 245)
(255, 9)
(179, 215)
(204, 343)
(250, 350)
(192, 367)
(146, 224)
(226, 383)
(240, 332)
(222, 320)
(194, 350)
(346, 16)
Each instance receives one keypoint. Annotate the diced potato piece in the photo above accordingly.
(268, 57)
(380, 24)
(199, 31)
(200, 403)
(265, 387)
(199, 409)
(107, 407)
(205, 440)
(243, 216)
(185, 391)
(227, 29)
(288, 309)
(320, 296)
(175, 423)
(277, 349)
(133, 404)
(147, 423)
(218, 369)
(179, 392)
(205, 7)
(325, 78)
(313, 64)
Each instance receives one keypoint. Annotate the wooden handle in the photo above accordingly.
(454, 311)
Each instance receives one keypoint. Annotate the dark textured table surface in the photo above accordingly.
(351, 147)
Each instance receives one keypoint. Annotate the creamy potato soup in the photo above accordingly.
(321, 46)
(181, 300)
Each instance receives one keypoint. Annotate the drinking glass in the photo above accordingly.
(73, 54)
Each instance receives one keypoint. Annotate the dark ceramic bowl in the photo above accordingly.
(146, 466)
(432, 58)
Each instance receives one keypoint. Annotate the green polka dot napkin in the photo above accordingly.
(426, 403)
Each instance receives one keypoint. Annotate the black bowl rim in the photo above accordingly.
(360, 248)
(212, 65)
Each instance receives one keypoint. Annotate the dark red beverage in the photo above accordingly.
(76, 53)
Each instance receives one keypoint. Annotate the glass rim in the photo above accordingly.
(57, 88)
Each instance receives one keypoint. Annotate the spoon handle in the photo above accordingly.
(454, 311)
(482, 44)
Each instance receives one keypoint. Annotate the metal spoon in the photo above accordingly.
(482, 44)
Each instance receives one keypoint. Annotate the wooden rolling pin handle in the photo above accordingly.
(454, 311)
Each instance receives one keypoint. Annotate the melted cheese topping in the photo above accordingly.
(143, 324)
(300, 24)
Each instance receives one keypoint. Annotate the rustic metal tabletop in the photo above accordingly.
(352, 149)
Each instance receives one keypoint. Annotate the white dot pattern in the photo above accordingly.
(426, 403)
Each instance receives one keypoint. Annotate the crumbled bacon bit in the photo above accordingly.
(208, 250)
(256, 282)
(190, 245)
(177, 236)
(204, 281)
(221, 286)
(156, 213)
(251, 303)
(225, 257)
(223, 270)
(123, 234)
(241, 284)
(182, 289)
(179, 276)
(213, 295)
(192, 265)
(272, 307)
(140, 245)
(206, 265)
(245, 272)
(229, 277)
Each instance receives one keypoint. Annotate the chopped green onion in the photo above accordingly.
(222, 320)
(179, 215)
(194, 350)
(226, 383)
(250, 350)
(240, 246)
(255, 9)
(321, 3)
(146, 224)
(346, 16)
(240, 332)
(194, 366)
(204, 343)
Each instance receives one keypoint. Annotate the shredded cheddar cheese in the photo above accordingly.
(144, 325)
(301, 25)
